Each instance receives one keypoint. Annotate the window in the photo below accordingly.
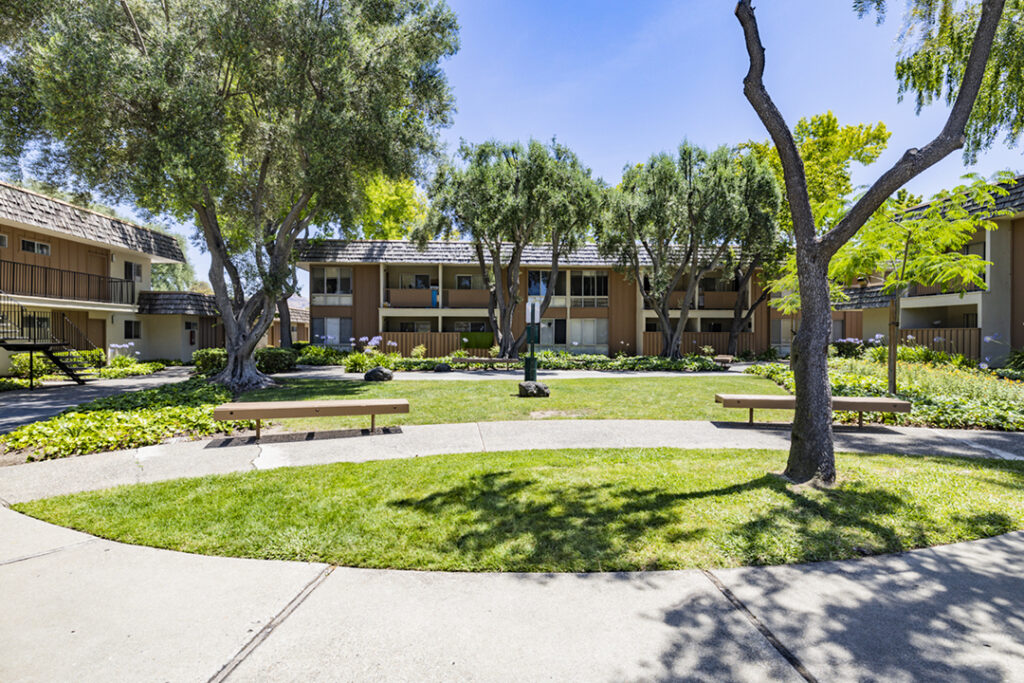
(552, 332)
(132, 271)
(413, 281)
(190, 328)
(330, 280)
(33, 247)
(590, 288)
(838, 329)
(586, 333)
(469, 326)
(469, 282)
(970, 319)
(332, 331)
(414, 326)
(3, 241)
(132, 329)
(537, 283)
(976, 249)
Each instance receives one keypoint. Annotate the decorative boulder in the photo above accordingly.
(533, 390)
(442, 367)
(379, 374)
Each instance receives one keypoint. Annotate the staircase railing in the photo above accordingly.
(68, 333)
(20, 325)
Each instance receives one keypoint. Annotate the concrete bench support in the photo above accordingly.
(260, 410)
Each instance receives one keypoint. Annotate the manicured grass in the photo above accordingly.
(439, 402)
(578, 510)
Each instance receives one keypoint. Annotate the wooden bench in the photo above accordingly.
(259, 410)
(724, 360)
(507, 362)
(853, 404)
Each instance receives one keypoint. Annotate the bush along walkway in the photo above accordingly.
(944, 396)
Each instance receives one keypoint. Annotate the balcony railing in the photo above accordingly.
(589, 301)
(718, 300)
(26, 279)
(467, 298)
(412, 298)
(931, 290)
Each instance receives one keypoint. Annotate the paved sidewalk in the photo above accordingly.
(211, 456)
(85, 609)
(485, 373)
(24, 406)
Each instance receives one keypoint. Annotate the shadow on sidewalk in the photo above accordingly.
(296, 437)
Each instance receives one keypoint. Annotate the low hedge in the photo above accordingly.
(209, 361)
(269, 360)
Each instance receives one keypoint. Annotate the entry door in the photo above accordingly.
(96, 329)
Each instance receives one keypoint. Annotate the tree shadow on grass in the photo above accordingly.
(309, 389)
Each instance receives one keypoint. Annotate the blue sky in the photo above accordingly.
(618, 81)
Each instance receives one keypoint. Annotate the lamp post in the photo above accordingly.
(532, 338)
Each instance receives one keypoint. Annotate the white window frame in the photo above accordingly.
(137, 324)
(475, 281)
(325, 298)
(136, 269)
(38, 248)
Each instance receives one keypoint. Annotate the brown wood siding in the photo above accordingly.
(581, 312)
(621, 314)
(64, 254)
(1017, 286)
(438, 343)
(691, 341)
(97, 332)
(965, 340)
(762, 328)
(365, 300)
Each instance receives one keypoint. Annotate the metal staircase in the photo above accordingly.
(52, 334)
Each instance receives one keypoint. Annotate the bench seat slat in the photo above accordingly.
(252, 410)
(866, 404)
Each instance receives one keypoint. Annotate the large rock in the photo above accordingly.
(533, 390)
(442, 367)
(379, 374)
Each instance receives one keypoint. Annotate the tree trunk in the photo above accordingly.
(811, 455)
(894, 339)
(285, 317)
(241, 374)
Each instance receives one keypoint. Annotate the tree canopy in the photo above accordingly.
(256, 120)
(392, 209)
(504, 197)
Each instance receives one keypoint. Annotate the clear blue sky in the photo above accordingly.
(619, 81)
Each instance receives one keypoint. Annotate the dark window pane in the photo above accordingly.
(559, 331)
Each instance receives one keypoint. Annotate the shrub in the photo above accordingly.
(320, 355)
(130, 420)
(477, 340)
(770, 354)
(299, 346)
(848, 348)
(209, 361)
(494, 351)
(418, 351)
(11, 384)
(273, 360)
(133, 369)
(461, 353)
(122, 361)
(360, 361)
(919, 354)
(563, 360)
(1015, 361)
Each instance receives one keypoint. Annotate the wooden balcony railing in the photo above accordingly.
(466, 298)
(411, 298)
(26, 279)
(719, 300)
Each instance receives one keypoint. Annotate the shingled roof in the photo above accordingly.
(33, 209)
(863, 297)
(445, 252)
(177, 303)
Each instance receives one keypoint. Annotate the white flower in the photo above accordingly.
(910, 337)
(465, 340)
(983, 366)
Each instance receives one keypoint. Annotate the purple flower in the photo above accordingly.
(938, 339)
(910, 337)
(364, 339)
(392, 343)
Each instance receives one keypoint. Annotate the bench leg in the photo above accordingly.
(257, 429)
(751, 416)
(373, 423)
(860, 419)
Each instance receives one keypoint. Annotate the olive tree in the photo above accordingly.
(811, 456)
(505, 197)
(257, 120)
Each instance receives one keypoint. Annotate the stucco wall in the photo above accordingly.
(995, 315)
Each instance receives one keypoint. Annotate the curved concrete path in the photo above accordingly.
(76, 607)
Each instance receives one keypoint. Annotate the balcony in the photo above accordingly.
(932, 290)
(467, 298)
(26, 279)
(719, 300)
(589, 301)
(411, 298)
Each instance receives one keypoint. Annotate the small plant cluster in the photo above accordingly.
(269, 360)
(117, 367)
(563, 360)
(919, 354)
(942, 396)
(12, 383)
(131, 420)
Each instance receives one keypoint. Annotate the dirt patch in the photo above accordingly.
(544, 414)
(12, 458)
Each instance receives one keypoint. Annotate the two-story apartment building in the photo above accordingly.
(435, 296)
(81, 277)
(980, 323)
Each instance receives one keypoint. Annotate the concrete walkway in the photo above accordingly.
(337, 372)
(76, 607)
(30, 405)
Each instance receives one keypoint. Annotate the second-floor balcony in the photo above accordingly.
(932, 290)
(26, 279)
(467, 298)
(411, 298)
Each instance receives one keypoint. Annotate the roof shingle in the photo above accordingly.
(177, 303)
(30, 208)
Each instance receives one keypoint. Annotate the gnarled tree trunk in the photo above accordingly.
(284, 315)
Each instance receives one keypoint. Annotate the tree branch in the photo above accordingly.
(915, 161)
(135, 27)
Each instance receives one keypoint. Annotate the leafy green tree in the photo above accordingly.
(671, 221)
(504, 197)
(392, 209)
(908, 244)
(174, 277)
(257, 120)
(812, 454)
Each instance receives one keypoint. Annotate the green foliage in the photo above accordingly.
(359, 361)
(1015, 361)
(272, 360)
(132, 369)
(174, 277)
(209, 361)
(563, 360)
(944, 396)
(392, 209)
(43, 367)
(476, 340)
(320, 355)
(12, 384)
(919, 354)
(418, 351)
(131, 420)
(494, 351)
(503, 198)
(848, 348)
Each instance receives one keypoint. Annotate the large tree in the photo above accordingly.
(504, 197)
(673, 220)
(392, 209)
(257, 120)
(811, 456)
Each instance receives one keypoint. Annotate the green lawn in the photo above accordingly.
(439, 402)
(582, 510)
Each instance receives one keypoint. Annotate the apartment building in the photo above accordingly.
(436, 297)
(980, 323)
(82, 279)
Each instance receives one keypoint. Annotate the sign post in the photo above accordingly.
(532, 337)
